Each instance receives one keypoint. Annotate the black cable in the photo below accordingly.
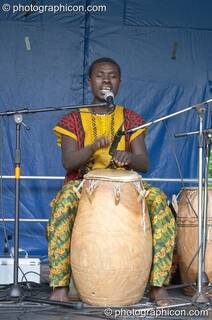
(33, 272)
(23, 274)
(25, 310)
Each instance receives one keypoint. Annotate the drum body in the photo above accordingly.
(111, 245)
(187, 235)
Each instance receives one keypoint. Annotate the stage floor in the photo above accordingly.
(24, 309)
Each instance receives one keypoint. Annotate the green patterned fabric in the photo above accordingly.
(64, 209)
(163, 235)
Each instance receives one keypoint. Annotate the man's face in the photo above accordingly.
(105, 76)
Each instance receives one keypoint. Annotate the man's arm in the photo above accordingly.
(73, 158)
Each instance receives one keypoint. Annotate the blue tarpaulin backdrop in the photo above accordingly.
(164, 49)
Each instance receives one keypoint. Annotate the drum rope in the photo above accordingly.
(77, 190)
(188, 198)
(142, 194)
(117, 193)
(90, 189)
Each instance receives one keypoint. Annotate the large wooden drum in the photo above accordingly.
(187, 236)
(111, 245)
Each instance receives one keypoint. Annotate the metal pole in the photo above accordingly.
(15, 290)
(200, 207)
(199, 296)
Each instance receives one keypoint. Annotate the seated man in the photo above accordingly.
(85, 137)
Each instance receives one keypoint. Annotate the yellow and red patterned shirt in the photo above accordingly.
(84, 127)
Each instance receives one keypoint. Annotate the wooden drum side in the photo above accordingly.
(111, 253)
(187, 236)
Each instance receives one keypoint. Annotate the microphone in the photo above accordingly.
(109, 96)
(116, 140)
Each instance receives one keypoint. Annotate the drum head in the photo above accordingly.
(113, 175)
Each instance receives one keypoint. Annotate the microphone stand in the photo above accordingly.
(200, 296)
(171, 115)
(47, 109)
(206, 144)
(208, 141)
(200, 109)
(15, 290)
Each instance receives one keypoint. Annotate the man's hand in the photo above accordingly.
(122, 158)
(101, 142)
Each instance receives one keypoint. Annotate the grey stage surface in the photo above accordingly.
(23, 308)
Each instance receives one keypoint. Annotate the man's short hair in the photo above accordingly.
(101, 60)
